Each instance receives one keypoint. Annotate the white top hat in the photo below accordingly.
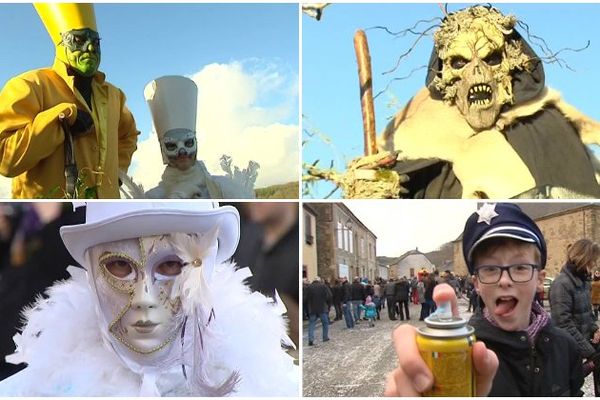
(173, 103)
(112, 221)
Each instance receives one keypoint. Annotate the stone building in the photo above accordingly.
(309, 242)
(561, 223)
(409, 264)
(345, 246)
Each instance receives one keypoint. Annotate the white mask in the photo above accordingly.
(179, 148)
(134, 279)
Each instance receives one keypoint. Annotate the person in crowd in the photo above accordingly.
(402, 294)
(596, 293)
(377, 294)
(370, 311)
(570, 298)
(347, 303)
(390, 298)
(519, 351)
(338, 293)
(318, 297)
(358, 296)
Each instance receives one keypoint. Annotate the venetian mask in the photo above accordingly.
(81, 49)
(477, 61)
(179, 148)
(134, 279)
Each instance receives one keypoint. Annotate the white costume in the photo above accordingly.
(173, 104)
(203, 332)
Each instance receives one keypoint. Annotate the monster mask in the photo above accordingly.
(477, 61)
(80, 48)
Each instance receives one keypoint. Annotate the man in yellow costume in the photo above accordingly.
(64, 130)
(485, 125)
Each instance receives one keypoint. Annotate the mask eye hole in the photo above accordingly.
(458, 62)
(119, 268)
(169, 268)
(170, 146)
(494, 58)
(189, 143)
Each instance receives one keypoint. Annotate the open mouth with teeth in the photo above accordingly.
(480, 95)
(505, 305)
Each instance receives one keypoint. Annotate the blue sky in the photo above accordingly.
(330, 94)
(257, 44)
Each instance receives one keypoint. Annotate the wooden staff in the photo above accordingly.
(363, 59)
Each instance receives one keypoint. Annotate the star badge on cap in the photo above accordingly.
(486, 213)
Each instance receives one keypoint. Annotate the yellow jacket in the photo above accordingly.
(31, 136)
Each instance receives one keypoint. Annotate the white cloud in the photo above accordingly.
(5, 187)
(404, 225)
(241, 106)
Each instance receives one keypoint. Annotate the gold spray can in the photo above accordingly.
(446, 345)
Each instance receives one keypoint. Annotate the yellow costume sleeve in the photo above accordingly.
(28, 134)
(128, 134)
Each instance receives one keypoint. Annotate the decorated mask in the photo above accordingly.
(81, 50)
(477, 61)
(179, 148)
(134, 280)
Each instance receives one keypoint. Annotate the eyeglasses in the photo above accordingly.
(519, 273)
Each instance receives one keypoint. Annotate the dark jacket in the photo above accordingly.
(390, 289)
(318, 295)
(357, 291)
(571, 305)
(402, 289)
(346, 292)
(552, 367)
(338, 293)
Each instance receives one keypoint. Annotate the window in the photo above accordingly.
(340, 235)
(308, 237)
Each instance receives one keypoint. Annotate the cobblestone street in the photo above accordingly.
(355, 362)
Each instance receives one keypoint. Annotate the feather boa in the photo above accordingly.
(62, 345)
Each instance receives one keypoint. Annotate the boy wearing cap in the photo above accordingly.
(519, 351)
(65, 132)
(148, 316)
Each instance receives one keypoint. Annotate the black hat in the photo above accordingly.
(500, 220)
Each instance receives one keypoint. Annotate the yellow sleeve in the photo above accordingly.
(128, 135)
(28, 132)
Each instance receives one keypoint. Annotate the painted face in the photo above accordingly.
(508, 302)
(82, 50)
(134, 279)
(477, 64)
(179, 148)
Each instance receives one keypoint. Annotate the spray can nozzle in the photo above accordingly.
(443, 312)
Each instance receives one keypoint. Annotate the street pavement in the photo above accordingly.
(355, 362)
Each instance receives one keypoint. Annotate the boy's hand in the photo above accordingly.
(412, 377)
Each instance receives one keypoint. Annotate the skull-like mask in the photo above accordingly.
(477, 62)
(179, 148)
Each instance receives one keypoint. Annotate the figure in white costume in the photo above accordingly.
(158, 310)
(173, 104)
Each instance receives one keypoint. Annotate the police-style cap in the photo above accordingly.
(500, 220)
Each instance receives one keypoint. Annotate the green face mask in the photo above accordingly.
(82, 50)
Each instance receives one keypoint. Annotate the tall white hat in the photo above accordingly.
(112, 221)
(173, 103)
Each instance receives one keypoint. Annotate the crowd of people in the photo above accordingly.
(364, 300)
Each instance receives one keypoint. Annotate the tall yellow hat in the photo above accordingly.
(63, 17)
